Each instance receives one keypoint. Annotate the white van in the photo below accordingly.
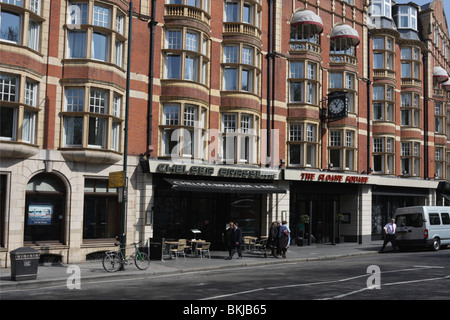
(423, 226)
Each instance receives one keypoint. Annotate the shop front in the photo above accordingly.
(349, 207)
(190, 198)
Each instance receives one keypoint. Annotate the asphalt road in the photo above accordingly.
(423, 275)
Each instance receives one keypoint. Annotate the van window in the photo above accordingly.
(445, 218)
(411, 220)
(434, 219)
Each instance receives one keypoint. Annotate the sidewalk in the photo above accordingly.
(57, 274)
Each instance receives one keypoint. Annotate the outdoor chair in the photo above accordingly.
(179, 250)
(204, 248)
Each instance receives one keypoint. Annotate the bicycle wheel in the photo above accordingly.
(142, 260)
(112, 261)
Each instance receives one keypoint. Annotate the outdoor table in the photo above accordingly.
(194, 243)
(169, 246)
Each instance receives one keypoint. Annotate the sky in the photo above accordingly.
(421, 2)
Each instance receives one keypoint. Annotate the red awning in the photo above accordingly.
(308, 17)
(344, 31)
(439, 74)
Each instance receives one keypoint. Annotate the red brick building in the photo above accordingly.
(245, 110)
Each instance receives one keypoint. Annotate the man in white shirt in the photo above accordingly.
(389, 230)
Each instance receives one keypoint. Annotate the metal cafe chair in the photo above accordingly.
(179, 250)
(203, 248)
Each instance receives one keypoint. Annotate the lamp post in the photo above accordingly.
(125, 148)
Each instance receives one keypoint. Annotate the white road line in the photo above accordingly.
(415, 268)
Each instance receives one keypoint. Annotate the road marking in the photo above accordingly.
(415, 268)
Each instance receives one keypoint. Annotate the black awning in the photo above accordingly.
(223, 187)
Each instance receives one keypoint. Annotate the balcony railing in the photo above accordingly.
(180, 11)
(343, 59)
(384, 73)
(304, 47)
(242, 28)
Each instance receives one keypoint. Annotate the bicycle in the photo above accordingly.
(115, 260)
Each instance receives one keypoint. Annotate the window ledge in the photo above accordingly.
(13, 149)
(91, 156)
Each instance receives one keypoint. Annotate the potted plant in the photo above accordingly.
(304, 220)
(339, 219)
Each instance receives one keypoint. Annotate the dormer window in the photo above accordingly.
(407, 17)
(381, 8)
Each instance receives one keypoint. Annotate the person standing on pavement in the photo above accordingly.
(389, 231)
(235, 241)
(273, 240)
(285, 238)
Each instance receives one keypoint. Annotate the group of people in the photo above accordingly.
(277, 242)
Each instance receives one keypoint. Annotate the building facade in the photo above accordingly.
(244, 110)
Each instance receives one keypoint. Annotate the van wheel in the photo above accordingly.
(436, 244)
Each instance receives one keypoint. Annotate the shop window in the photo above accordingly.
(102, 212)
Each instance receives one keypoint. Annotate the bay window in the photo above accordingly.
(105, 35)
(303, 84)
(189, 64)
(240, 68)
(182, 130)
(342, 146)
(383, 155)
(91, 118)
(410, 158)
(302, 144)
(239, 138)
(18, 115)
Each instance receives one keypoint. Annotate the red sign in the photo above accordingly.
(330, 177)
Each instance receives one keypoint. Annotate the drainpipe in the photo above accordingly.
(150, 84)
(425, 115)
(368, 83)
(125, 150)
(269, 80)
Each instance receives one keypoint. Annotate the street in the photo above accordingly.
(422, 275)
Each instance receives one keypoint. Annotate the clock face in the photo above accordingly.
(336, 106)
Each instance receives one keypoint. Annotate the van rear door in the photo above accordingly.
(410, 225)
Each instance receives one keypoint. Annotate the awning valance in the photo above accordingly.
(223, 187)
(446, 85)
(309, 18)
(344, 31)
(439, 74)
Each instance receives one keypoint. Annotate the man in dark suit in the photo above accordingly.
(235, 241)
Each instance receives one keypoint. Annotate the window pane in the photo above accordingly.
(7, 121)
(10, 26)
(8, 88)
(73, 131)
(101, 16)
(100, 46)
(28, 126)
(230, 79)
(96, 131)
(191, 68)
(172, 66)
(98, 101)
(76, 44)
(74, 99)
(33, 35)
(296, 92)
(231, 12)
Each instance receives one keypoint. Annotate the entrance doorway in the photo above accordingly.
(45, 210)
(321, 207)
